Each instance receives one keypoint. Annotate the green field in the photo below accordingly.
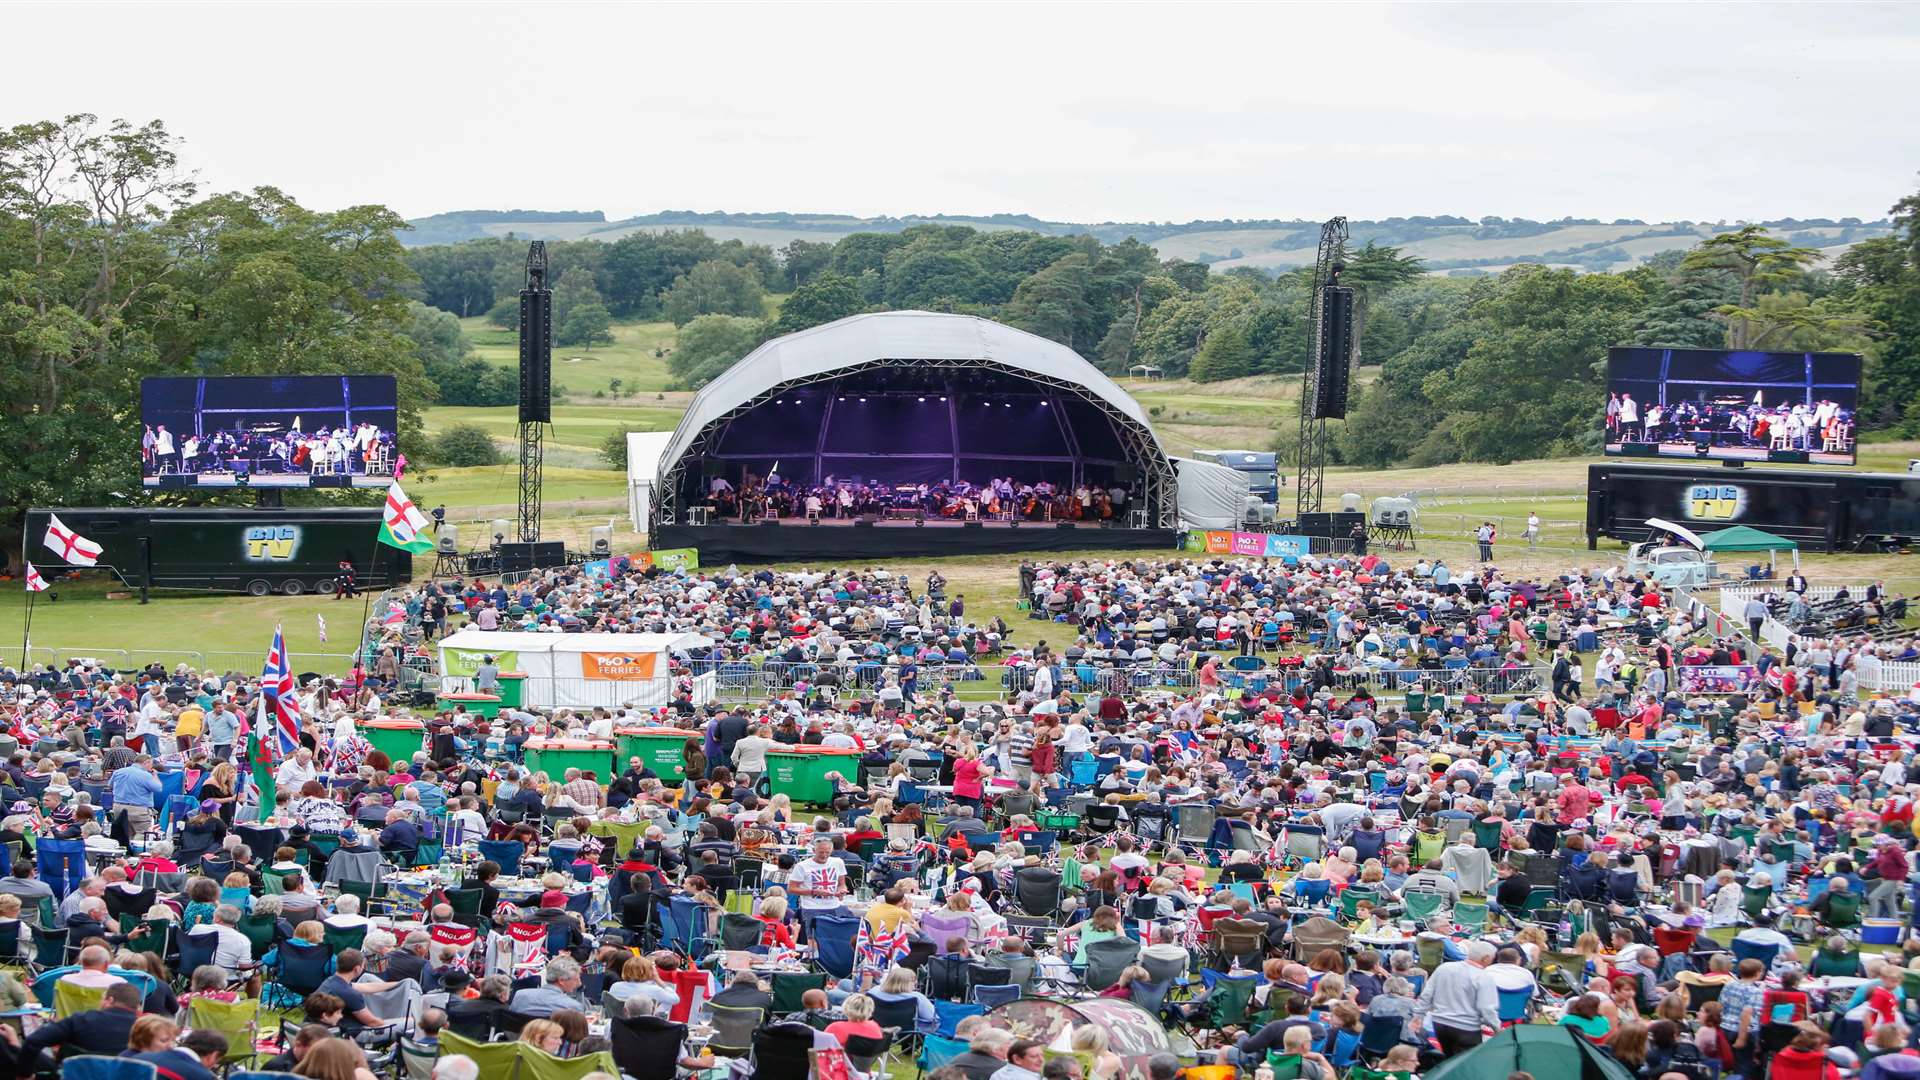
(582, 427)
(581, 372)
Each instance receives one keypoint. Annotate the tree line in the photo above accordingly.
(117, 266)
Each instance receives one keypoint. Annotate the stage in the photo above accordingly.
(839, 540)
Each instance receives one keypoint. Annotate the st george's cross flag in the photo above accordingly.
(73, 549)
(35, 583)
(279, 711)
(402, 525)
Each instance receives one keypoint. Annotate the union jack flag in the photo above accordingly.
(279, 711)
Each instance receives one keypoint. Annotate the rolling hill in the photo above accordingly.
(1449, 244)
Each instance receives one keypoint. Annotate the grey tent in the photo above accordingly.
(1545, 1051)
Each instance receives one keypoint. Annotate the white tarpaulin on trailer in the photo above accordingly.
(578, 670)
(1212, 496)
(644, 449)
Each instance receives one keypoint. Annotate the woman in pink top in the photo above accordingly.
(859, 1021)
(969, 776)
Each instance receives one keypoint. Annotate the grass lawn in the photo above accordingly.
(576, 371)
(576, 427)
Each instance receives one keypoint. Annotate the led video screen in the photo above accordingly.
(1732, 405)
(268, 431)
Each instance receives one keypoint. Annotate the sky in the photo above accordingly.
(1075, 112)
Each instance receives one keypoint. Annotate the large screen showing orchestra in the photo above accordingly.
(268, 431)
(1732, 405)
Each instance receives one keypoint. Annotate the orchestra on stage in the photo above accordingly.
(999, 499)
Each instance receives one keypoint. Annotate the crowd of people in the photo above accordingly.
(1324, 847)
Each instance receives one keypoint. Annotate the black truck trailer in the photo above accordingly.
(257, 551)
(1821, 511)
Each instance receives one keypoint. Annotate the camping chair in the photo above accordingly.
(1037, 891)
(992, 997)
(733, 1029)
(641, 1047)
(49, 947)
(1420, 905)
(1843, 910)
(1380, 1034)
(506, 853)
(258, 930)
(865, 1052)
(1749, 950)
(740, 933)
(789, 986)
(1754, 901)
(1107, 959)
(239, 1021)
(302, 966)
(341, 938)
(902, 1016)
(100, 1067)
(69, 999)
(1471, 916)
(782, 1052)
(1350, 898)
(937, 1050)
(416, 1060)
(1228, 997)
(62, 864)
(833, 939)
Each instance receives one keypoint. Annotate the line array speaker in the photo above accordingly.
(1334, 354)
(536, 356)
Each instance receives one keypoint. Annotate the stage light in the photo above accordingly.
(843, 397)
(863, 401)
(779, 403)
(923, 401)
(1044, 404)
(943, 399)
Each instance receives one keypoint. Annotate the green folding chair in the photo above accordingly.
(1420, 905)
(239, 1021)
(1471, 916)
(340, 938)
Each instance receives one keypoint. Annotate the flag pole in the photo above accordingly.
(26, 636)
(366, 611)
(26, 633)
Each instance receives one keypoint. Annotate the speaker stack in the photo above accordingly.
(536, 356)
(1333, 354)
(518, 558)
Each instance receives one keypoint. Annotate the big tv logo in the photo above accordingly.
(1714, 502)
(272, 543)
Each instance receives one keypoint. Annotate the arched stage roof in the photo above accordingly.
(861, 340)
(801, 402)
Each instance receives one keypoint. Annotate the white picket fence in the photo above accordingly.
(1895, 676)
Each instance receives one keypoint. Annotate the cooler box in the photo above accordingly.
(512, 689)
(398, 738)
(800, 772)
(477, 703)
(1880, 931)
(661, 749)
(555, 756)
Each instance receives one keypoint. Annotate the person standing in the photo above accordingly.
(1533, 530)
(136, 790)
(1483, 536)
(343, 585)
(1461, 999)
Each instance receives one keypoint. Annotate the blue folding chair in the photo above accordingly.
(937, 1050)
(833, 939)
(302, 966)
(992, 997)
(504, 852)
(1086, 769)
(63, 864)
(678, 918)
(952, 1012)
(97, 1067)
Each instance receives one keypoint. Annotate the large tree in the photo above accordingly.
(710, 345)
(714, 288)
(826, 296)
(1757, 261)
(1531, 382)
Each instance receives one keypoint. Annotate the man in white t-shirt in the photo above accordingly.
(820, 882)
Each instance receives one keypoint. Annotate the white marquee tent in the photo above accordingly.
(577, 670)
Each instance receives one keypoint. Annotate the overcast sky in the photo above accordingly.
(1081, 112)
